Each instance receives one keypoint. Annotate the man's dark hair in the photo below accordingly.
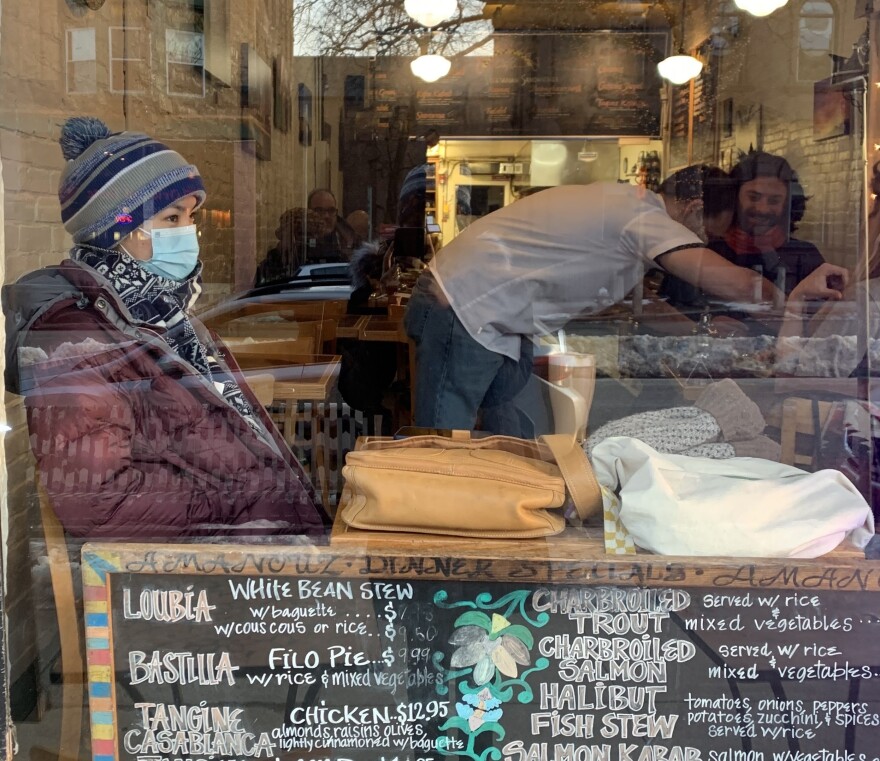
(701, 181)
(760, 164)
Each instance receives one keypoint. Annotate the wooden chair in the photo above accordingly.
(68, 616)
(396, 311)
(802, 421)
(263, 386)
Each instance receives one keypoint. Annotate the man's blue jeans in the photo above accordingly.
(456, 376)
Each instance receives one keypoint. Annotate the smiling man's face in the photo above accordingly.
(762, 205)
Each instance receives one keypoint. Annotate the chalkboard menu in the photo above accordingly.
(536, 85)
(314, 655)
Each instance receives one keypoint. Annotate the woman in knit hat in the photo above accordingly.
(140, 422)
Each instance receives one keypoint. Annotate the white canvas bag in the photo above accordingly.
(742, 506)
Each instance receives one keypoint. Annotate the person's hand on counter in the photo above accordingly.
(826, 282)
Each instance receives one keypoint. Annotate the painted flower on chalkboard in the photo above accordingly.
(479, 708)
(488, 644)
(490, 666)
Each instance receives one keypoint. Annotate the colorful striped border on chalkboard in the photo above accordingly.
(99, 656)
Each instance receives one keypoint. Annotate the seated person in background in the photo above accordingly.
(332, 239)
(769, 203)
(282, 261)
(140, 422)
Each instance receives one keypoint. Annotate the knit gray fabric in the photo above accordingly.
(674, 430)
(739, 417)
(113, 182)
(723, 423)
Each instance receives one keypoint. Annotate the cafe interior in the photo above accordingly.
(345, 145)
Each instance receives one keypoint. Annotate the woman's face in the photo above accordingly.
(179, 214)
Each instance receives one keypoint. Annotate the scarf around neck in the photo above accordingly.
(163, 303)
(745, 243)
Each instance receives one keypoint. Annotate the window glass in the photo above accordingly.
(244, 242)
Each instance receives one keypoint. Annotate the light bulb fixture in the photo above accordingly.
(430, 12)
(430, 67)
(759, 8)
(681, 67)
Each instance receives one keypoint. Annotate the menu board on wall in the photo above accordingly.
(314, 656)
(539, 85)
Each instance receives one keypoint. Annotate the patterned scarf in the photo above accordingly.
(162, 303)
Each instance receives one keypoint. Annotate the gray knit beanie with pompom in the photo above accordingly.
(113, 182)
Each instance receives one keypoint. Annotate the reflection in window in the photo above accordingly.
(475, 201)
(129, 50)
(82, 70)
(815, 33)
(185, 62)
(725, 27)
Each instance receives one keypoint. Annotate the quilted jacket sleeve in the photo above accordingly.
(132, 443)
(82, 417)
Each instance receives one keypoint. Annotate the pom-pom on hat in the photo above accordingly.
(115, 181)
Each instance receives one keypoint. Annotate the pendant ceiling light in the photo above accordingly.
(681, 67)
(430, 12)
(430, 67)
(759, 7)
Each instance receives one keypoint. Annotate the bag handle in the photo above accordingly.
(577, 471)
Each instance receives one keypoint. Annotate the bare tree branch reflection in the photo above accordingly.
(381, 27)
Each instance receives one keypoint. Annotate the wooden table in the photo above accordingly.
(299, 377)
(372, 327)
(381, 328)
(351, 325)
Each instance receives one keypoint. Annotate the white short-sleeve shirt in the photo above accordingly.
(529, 267)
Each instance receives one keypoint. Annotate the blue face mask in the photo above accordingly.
(175, 252)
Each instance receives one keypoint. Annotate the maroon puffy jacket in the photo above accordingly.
(130, 440)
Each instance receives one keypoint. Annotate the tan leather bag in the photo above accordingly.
(496, 487)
